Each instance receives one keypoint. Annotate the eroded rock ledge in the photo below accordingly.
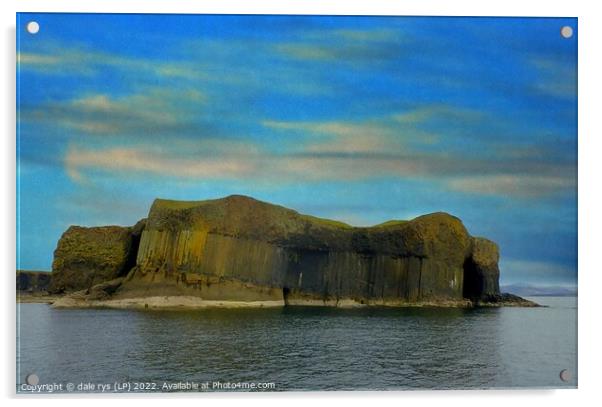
(238, 251)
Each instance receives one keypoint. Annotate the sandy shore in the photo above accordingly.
(191, 302)
(173, 302)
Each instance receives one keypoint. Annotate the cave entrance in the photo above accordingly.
(285, 293)
(472, 286)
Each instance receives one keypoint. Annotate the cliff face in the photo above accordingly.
(241, 249)
(481, 270)
(88, 256)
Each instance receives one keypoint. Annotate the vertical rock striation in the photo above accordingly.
(238, 247)
(241, 249)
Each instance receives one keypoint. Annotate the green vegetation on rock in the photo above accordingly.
(88, 256)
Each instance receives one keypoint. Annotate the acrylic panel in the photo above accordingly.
(282, 203)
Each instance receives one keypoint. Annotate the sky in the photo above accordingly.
(358, 119)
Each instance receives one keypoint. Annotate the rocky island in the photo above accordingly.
(238, 251)
(32, 286)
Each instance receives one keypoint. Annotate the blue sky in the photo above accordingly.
(360, 119)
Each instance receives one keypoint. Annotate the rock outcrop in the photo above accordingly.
(241, 250)
(33, 281)
(88, 256)
(482, 274)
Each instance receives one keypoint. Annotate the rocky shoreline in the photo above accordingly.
(97, 297)
(191, 303)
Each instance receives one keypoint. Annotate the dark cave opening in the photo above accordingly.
(472, 285)
(285, 293)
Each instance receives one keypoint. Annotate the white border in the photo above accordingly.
(348, 7)
(590, 33)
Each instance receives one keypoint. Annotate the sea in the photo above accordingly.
(296, 349)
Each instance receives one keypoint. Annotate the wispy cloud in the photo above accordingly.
(338, 151)
(156, 110)
(371, 136)
(206, 164)
(556, 77)
(440, 112)
(204, 64)
(378, 148)
(369, 46)
(518, 185)
(370, 36)
(71, 59)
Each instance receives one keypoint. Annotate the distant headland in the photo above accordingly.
(238, 251)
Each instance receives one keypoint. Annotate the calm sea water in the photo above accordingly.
(301, 348)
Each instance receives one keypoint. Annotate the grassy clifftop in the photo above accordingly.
(245, 217)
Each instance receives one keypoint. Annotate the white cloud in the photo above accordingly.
(128, 160)
(66, 59)
(380, 147)
(516, 185)
(150, 109)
